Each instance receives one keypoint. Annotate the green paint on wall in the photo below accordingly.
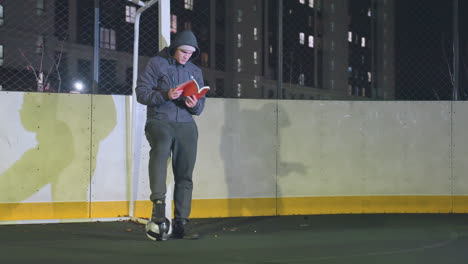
(64, 156)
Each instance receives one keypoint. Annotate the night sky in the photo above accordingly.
(424, 51)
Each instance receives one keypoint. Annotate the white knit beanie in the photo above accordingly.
(186, 47)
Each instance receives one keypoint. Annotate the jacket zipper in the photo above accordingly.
(174, 86)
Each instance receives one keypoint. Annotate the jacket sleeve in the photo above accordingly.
(198, 109)
(146, 90)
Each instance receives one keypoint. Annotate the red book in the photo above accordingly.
(192, 88)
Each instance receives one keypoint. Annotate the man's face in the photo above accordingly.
(183, 55)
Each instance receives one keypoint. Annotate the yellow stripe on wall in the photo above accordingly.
(460, 204)
(109, 209)
(202, 208)
(37, 211)
(364, 205)
(143, 209)
(205, 208)
(233, 207)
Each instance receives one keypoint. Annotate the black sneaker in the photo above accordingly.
(180, 230)
(158, 214)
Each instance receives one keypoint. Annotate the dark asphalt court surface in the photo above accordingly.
(376, 239)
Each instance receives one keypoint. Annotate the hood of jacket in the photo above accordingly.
(185, 38)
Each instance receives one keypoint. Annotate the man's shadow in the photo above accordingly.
(252, 159)
(57, 156)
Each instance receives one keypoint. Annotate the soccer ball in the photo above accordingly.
(159, 231)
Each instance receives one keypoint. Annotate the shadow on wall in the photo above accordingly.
(61, 157)
(251, 156)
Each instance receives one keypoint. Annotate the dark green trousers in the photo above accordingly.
(179, 140)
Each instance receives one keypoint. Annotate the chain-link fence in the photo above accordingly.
(463, 78)
(285, 49)
(67, 46)
(424, 49)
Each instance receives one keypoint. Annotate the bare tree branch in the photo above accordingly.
(55, 64)
(447, 61)
(29, 63)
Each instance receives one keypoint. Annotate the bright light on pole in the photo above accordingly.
(78, 86)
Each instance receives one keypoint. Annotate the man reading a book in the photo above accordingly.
(170, 128)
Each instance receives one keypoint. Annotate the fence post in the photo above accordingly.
(137, 119)
(96, 48)
(456, 52)
(280, 50)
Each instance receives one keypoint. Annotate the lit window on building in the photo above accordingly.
(255, 82)
(1, 55)
(311, 41)
(173, 23)
(188, 4)
(301, 79)
(239, 65)
(239, 40)
(301, 38)
(239, 15)
(363, 42)
(239, 89)
(290, 11)
(255, 57)
(302, 1)
(40, 44)
(369, 76)
(130, 14)
(311, 3)
(350, 36)
(107, 38)
(271, 49)
(40, 9)
(369, 12)
(2, 17)
(255, 34)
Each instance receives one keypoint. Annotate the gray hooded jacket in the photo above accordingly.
(162, 73)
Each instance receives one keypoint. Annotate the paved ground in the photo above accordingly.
(376, 239)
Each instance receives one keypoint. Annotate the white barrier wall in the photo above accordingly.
(376, 156)
(109, 179)
(65, 157)
(62, 155)
(459, 159)
(371, 148)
